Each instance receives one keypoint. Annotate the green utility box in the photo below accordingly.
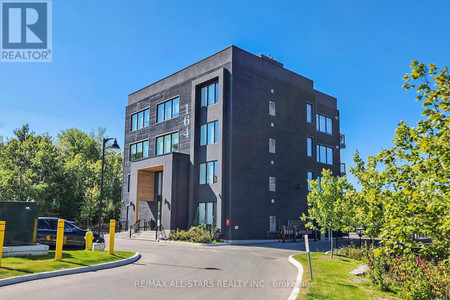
(21, 222)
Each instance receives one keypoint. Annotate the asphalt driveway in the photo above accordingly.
(176, 271)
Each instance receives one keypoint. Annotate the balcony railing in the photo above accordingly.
(342, 141)
(343, 169)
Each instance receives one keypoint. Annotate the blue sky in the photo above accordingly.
(357, 51)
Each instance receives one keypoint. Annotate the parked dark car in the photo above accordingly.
(73, 235)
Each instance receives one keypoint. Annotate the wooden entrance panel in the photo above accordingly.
(146, 185)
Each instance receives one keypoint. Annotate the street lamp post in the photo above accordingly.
(113, 146)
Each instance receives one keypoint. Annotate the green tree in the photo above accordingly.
(82, 156)
(89, 207)
(409, 183)
(329, 207)
(63, 176)
(30, 169)
(112, 186)
(368, 210)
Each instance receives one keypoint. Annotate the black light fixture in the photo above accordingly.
(113, 146)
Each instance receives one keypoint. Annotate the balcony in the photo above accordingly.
(342, 141)
(343, 169)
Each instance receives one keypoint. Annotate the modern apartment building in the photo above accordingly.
(228, 141)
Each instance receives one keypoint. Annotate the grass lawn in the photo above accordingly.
(17, 266)
(332, 279)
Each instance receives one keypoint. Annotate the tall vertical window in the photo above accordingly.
(206, 213)
(209, 172)
(309, 177)
(324, 124)
(272, 184)
(167, 143)
(271, 108)
(128, 182)
(309, 113)
(329, 155)
(272, 223)
(140, 120)
(139, 150)
(209, 133)
(309, 146)
(168, 110)
(210, 94)
(271, 145)
(324, 154)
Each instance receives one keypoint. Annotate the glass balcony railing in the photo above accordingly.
(342, 141)
(343, 169)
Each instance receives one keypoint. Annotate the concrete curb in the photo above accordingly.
(298, 282)
(108, 265)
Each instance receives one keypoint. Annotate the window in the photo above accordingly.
(324, 124)
(139, 151)
(272, 184)
(206, 213)
(272, 223)
(309, 112)
(140, 120)
(69, 227)
(209, 133)
(168, 110)
(271, 108)
(271, 145)
(310, 177)
(209, 172)
(128, 183)
(167, 143)
(329, 156)
(210, 94)
(47, 224)
(324, 154)
(309, 146)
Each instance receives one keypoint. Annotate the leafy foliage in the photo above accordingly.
(329, 207)
(352, 251)
(197, 234)
(416, 277)
(405, 189)
(62, 175)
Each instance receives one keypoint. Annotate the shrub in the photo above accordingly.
(380, 267)
(179, 235)
(196, 234)
(416, 277)
(351, 251)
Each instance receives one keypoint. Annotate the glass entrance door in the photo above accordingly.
(159, 185)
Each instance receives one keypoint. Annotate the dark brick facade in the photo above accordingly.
(247, 84)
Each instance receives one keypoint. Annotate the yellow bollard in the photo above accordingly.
(59, 240)
(112, 231)
(2, 238)
(89, 238)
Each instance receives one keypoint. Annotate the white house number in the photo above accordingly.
(187, 121)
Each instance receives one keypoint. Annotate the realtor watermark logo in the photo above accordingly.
(26, 31)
